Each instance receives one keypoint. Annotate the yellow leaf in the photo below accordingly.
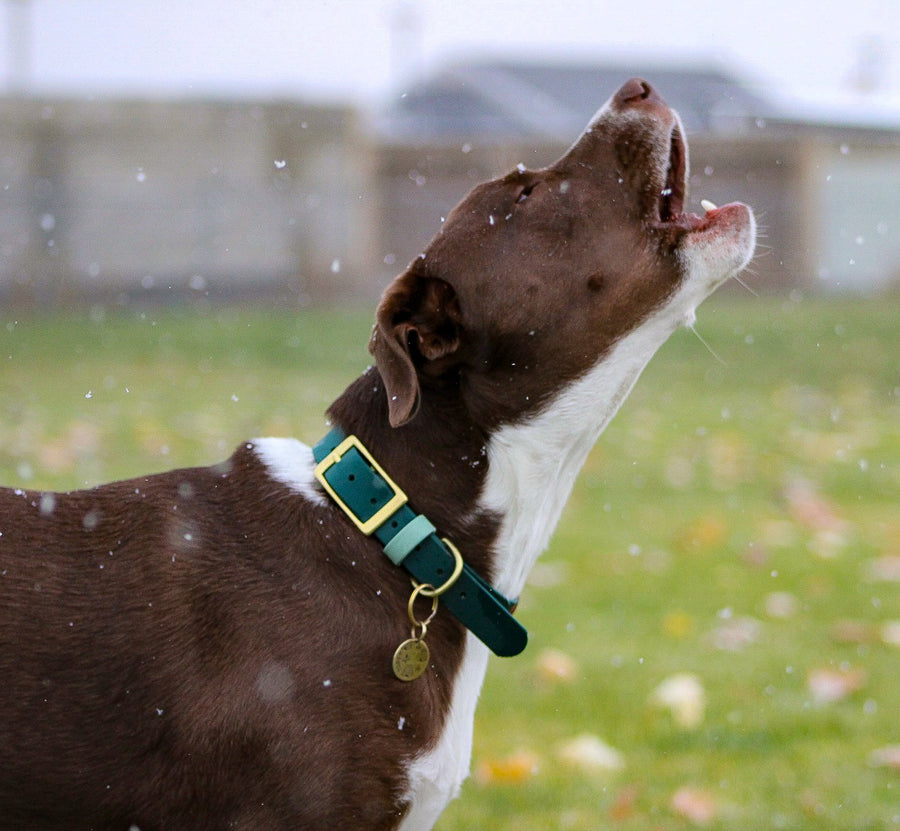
(706, 532)
(514, 769)
(678, 625)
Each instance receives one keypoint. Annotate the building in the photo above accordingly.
(116, 199)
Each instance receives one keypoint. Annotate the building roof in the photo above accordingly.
(505, 100)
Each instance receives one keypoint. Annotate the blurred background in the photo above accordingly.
(309, 150)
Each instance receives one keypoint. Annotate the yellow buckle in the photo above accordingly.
(397, 501)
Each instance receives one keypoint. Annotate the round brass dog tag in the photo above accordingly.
(411, 659)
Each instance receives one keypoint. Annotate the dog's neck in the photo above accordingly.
(511, 483)
(533, 465)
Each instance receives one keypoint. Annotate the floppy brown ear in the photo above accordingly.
(417, 322)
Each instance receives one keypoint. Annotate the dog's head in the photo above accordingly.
(535, 275)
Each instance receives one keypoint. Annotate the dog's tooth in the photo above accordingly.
(707, 205)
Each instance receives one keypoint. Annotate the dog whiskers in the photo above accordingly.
(711, 351)
(746, 286)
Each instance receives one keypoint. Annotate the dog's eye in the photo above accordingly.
(524, 193)
(596, 282)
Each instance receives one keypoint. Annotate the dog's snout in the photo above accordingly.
(634, 92)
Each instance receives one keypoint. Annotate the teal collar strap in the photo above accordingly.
(362, 489)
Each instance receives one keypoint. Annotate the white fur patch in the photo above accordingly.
(532, 466)
(435, 777)
(290, 462)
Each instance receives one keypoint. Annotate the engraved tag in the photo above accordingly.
(411, 659)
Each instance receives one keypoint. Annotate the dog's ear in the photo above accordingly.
(416, 324)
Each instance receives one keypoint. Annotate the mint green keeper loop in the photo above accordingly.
(407, 538)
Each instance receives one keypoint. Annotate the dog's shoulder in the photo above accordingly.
(289, 462)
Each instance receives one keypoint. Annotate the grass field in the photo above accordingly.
(736, 533)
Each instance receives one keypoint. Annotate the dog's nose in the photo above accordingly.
(634, 91)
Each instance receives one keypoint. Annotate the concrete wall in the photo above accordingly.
(107, 197)
(118, 199)
(856, 230)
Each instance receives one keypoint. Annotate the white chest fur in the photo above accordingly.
(532, 467)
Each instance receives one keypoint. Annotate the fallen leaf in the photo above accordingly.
(591, 754)
(683, 696)
(80, 440)
(514, 769)
(694, 805)
(885, 569)
(623, 806)
(781, 604)
(736, 634)
(679, 471)
(828, 685)
(778, 533)
(756, 554)
(890, 633)
(730, 461)
(810, 509)
(811, 803)
(554, 666)
(886, 757)
(677, 625)
(706, 532)
(852, 631)
(827, 543)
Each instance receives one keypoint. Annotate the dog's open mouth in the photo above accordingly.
(670, 203)
(671, 199)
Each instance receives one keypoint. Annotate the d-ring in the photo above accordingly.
(428, 590)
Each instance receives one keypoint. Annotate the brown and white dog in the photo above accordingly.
(211, 648)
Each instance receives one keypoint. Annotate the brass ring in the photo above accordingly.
(427, 590)
(421, 589)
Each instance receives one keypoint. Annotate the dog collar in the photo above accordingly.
(378, 507)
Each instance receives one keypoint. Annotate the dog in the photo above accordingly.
(241, 646)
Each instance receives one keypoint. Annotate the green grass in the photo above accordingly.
(687, 518)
